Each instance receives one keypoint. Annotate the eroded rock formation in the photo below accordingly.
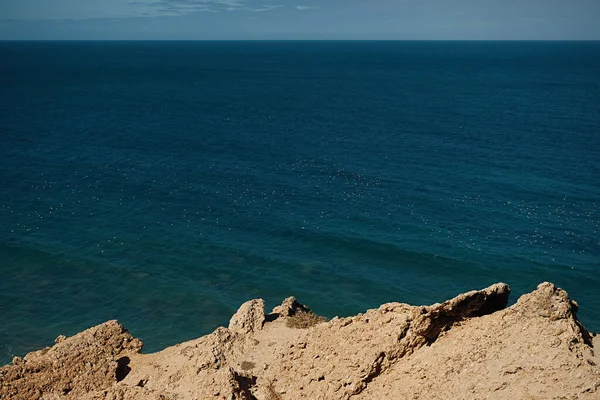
(467, 347)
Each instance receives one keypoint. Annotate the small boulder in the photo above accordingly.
(59, 339)
(289, 307)
(249, 318)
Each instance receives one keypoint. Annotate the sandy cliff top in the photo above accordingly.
(469, 347)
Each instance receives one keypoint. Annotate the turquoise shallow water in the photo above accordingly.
(164, 183)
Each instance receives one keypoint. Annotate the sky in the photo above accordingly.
(299, 19)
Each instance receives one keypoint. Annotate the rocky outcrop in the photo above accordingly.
(289, 307)
(467, 347)
(339, 359)
(93, 360)
(249, 318)
(535, 349)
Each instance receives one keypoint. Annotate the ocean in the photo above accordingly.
(165, 183)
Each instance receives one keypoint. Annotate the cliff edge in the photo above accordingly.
(469, 347)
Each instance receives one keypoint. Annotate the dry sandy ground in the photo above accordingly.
(469, 347)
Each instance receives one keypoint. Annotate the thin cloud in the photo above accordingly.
(126, 9)
(265, 8)
(304, 8)
(183, 7)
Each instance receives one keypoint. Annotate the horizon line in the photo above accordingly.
(299, 40)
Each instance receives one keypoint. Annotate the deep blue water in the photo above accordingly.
(165, 183)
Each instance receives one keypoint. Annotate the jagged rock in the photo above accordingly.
(440, 317)
(342, 364)
(60, 338)
(467, 347)
(534, 349)
(289, 307)
(249, 318)
(547, 301)
(92, 360)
